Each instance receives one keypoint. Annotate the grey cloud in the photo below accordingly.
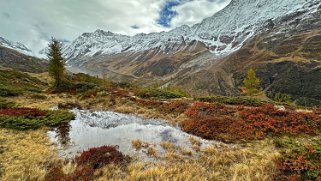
(6, 15)
(34, 22)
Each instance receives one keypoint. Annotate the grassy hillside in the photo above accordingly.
(12, 59)
(13, 83)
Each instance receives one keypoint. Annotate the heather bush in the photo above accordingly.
(96, 158)
(162, 93)
(26, 118)
(299, 161)
(88, 162)
(279, 97)
(151, 104)
(176, 107)
(212, 121)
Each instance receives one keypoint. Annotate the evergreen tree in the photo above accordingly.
(252, 83)
(56, 62)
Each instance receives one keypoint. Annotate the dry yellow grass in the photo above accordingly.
(194, 141)
(225, 163)
(186, 152)
(137, 144)
(51, 101)
(167, 145)
(26, 155)
(151, 151)
(43, 77)
(69, 168)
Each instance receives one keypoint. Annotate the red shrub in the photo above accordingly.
(175, 107)
(149, 103)
(212, 121)
(25, 112)
(88, 162)
(55, 173)
(270, 120)
(99, 157)
(301, 161)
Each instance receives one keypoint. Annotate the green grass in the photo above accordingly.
(51, 119)
(6, 104)
(13, 83)
(162, 93)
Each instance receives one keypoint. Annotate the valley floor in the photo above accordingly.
(30, 155)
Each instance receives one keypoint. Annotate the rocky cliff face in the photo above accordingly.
(275, 37)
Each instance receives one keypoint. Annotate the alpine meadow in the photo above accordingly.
(180, 90)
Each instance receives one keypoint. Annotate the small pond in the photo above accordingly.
(93, 129)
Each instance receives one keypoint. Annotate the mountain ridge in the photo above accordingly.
(207, 63)
(15, 46)
(220, 36)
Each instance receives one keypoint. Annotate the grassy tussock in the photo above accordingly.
(25, 155)
(214, 164)
(167, 145)
(152, 152)
(137, 144)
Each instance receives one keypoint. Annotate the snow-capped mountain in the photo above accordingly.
(43, 53)
(15, 46)
(281, 39)
(223, 33)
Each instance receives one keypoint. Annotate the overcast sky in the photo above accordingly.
(33, 22)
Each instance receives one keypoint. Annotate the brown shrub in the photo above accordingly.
(25, 112)
(88, 162)
(178, 107)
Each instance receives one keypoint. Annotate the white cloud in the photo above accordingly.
(33, 22)
(193, 12)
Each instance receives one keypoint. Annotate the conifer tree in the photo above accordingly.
(252, 83)
(56, 63)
